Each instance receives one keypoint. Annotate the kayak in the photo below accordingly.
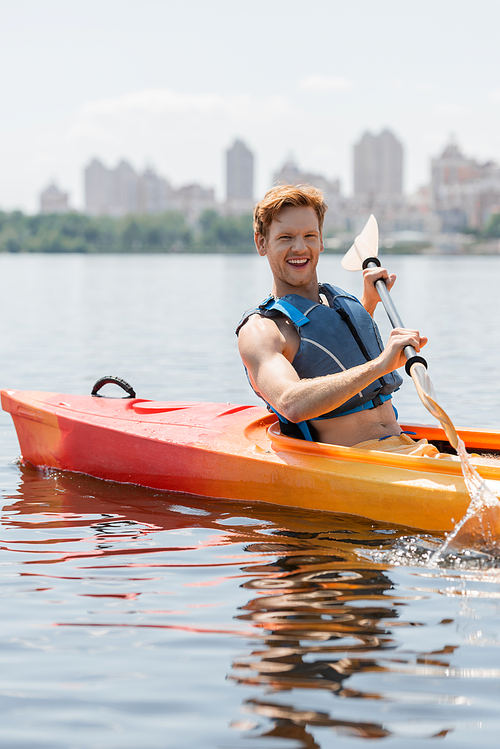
(237, 452)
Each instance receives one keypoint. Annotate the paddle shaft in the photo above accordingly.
(425, 390)
(411, 355)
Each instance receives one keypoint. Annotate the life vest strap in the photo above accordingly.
(374, 403)
(294, 314)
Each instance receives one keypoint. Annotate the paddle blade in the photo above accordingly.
(365, 245)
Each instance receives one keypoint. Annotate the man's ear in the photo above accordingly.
(260, 243)
(322, 244)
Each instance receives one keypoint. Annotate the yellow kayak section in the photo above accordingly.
(237, 452)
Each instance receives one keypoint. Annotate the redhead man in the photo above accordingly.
(312, 351)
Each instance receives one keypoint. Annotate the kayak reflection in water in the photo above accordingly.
(327, 622)
(312, 351)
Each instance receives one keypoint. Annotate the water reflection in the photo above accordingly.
(328, 621)
(335, 624)
(332, 624)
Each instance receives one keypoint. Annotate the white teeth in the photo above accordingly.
(298, 262)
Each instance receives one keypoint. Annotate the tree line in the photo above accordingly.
(492, 229)
(166, 232)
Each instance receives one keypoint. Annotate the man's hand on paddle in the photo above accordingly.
(393, 356)
(370, 297)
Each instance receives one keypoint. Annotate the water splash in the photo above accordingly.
(474, 543)
(480, 526)
(427, 552)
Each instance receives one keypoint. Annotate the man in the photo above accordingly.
(312, 351)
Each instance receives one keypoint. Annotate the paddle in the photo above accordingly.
(363, 254)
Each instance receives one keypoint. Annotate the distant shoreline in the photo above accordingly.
(170, 233)
(490, 249)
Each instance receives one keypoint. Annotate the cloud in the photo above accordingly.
(449, 108)
(424, 87)
(495, 95)
(183, 135)
(158, 102)
(322, 83)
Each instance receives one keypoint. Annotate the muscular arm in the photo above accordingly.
(267, 351)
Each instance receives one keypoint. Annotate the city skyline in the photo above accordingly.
(175, 84)
(462, 193)
(220, 190)
(123, 189)
(378, 166)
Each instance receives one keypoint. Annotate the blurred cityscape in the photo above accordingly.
(458, 203)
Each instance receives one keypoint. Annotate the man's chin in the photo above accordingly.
(298, 283)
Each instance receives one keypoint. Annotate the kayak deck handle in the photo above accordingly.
(111, 379)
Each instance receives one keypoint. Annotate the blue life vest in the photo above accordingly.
(332, 340)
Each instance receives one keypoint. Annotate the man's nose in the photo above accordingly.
(298, 243)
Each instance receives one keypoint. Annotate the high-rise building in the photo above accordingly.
(54, 200)
(114, 192)
(464, 192)
(122, 191)
(97, 179)
(239, 176)
(291, 174)
(378, 169)
(154, 193)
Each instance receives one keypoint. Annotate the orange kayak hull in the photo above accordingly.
(237, 452)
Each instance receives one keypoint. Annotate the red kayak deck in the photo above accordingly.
(237, 452)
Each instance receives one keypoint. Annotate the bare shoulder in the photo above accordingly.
(265, 334)
(259, 331)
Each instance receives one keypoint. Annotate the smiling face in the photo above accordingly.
(292, 247)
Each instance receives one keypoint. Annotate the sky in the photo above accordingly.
(171, 85)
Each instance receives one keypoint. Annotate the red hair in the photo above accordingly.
(282, 196)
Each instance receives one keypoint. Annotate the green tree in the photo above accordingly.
(10, 238)
(165, 232)
(492, 228)
(225, 233)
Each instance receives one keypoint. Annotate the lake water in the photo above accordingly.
(142, 620)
